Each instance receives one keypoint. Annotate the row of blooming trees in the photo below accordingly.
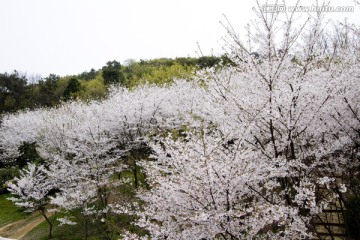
(241, 152)
(274, 130)
(82, 145)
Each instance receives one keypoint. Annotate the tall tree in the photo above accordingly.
(112, 73)
(32, 190)
(72, 88)
(12, 91)
(47, 91)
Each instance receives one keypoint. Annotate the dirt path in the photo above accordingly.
(19, 229)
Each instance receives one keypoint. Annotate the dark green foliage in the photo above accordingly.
(6, 174)
(205, 62)
(47, 91)
(28, 153)
(187, 61)
(112, 73)
(88, 75)
(12, 91)
(72, 88)
(17, 93)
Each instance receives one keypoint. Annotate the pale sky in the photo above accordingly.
(71, 36)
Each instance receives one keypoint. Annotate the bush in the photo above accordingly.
(6, 174)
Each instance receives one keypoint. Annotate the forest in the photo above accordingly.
(260, 143)
(20, 91)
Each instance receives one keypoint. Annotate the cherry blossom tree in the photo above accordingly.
(83, 144)
(287, 112)
(32, 189)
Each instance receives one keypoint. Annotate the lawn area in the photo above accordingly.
(9, 212)
(66, 232)
(63, 232)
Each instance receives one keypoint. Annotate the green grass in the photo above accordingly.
(76, 232)
(9, 212)
(66, 232)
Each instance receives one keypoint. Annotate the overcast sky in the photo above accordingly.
(71, 36)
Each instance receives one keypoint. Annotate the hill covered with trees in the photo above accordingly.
(19, 91)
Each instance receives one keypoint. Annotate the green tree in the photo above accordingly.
(28, 154)
(47, 91)
(112, 73)
(72, 88)
(165, 74)
(12, 91)
(208, 61)
(93, 89)
(88, 75)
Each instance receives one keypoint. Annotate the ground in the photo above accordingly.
(19, 229)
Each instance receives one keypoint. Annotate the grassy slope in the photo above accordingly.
(9, 211)
(59, 233)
